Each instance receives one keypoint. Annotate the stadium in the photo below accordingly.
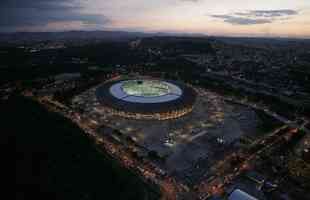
(146, 98)
(185, 126)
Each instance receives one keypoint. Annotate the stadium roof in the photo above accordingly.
(168, 92)
(240, 195)
(179, 96)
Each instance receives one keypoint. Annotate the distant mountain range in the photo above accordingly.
(69, 35)
(28, 37)
(18, 37)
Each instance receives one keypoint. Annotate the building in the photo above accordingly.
(146, 98)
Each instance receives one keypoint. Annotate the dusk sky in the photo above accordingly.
(284, 18)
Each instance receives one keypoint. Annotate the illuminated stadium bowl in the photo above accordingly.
(146, 98)
(145, 88)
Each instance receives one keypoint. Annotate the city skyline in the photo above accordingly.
(273, 18)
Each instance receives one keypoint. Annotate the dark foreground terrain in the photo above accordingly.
(55, 160)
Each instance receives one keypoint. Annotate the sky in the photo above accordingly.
(265, 18)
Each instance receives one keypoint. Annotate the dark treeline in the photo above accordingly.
(56, 160)
(21, 64)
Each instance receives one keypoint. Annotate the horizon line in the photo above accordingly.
(168, 33)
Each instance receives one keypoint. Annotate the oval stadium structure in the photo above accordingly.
(146, 98)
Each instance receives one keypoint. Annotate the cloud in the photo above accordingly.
(36, 13)
(272, 13)
(40, 4)
(241, 20)
(253, 17)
